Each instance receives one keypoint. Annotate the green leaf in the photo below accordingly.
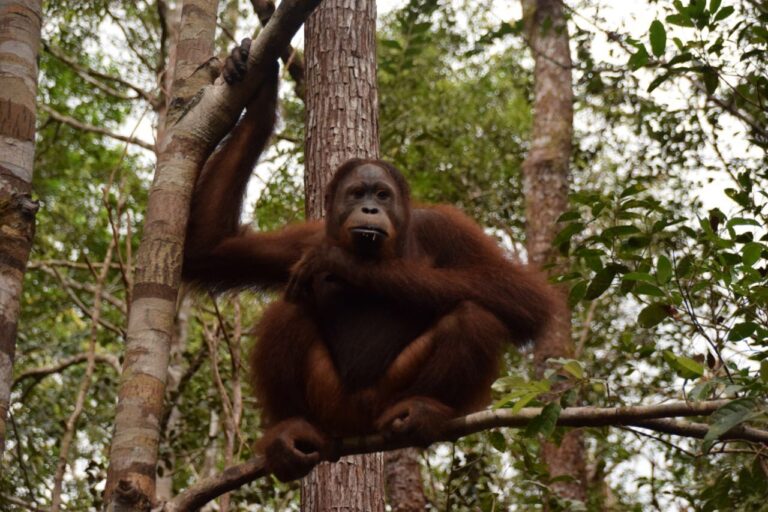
(742, 330)
(569, 216)
(764, 370)
(653, 314)
(574, 368)
(421, 27)
(714, 5)
(648, 289)
(685, 367)
(724, 12)
(684, 266)
(711, 79)
(751, 253)
(658, 36)
(601, 282)
(617, 231)
(567, 232)
(498, 441)
(679, 20)
(725, 418)
(638, 59)
(632, 190)
(545, 422)
(658, 81)
(638, 276)
(663, 269)
(577, 293)
(391, 43)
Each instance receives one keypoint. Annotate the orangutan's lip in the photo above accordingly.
(369, 232)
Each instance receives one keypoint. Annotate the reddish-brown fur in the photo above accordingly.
(440, 305)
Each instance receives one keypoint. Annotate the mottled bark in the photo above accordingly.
(341, 123)
(177, 368)
(402, 476)
(133, 455)
(546, 183)
(342, 96)
(19, 42)
(200, 115)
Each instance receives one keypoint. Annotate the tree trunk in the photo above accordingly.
(133, 456)
(405, 488)
(341, 123)
(546, 177)
(20, 22)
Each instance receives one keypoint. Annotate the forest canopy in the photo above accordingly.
(661, 248)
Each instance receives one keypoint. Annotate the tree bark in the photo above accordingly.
(404, 485)
(202, 111)
(341, 123)
(546, 183)
(20, 22)
(133, 455)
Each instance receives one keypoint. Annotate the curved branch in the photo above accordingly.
(74, 123)
(653, 417)
(84, 72)
(59, 366)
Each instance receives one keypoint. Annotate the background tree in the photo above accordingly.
(20, 30)
(546, 185)
(341, 123)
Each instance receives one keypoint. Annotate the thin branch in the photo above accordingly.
(85, 287)
(43, 371)
(85, 309)
(21, 503)
(699, 430)
(129, 37)
(85, 384)
(74, 123)
(81, 70)
(654, 417)
(585, 329)
(42, 264)
(640, 433)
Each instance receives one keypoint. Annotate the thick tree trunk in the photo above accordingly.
(546, 182)
(341, 123)
(20, 22)
(133, 456)
(404, 485)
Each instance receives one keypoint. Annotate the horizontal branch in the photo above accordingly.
(699, 430)
(59, 366)
(79, 125)
(654, 417)
(41, 264)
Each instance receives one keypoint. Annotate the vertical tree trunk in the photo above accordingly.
(341, 123)
(404, 485)
(546, 177)
(133, 456)
(20, 22)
